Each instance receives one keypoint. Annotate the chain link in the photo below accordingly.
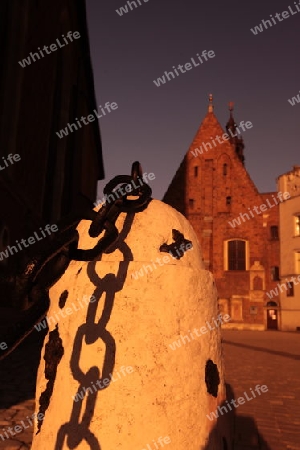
(74, 431)
(42, 271)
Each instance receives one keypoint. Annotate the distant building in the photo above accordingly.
(289, 216)
(236, 225)
(38, 99)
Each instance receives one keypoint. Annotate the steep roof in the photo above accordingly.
(205, 145)
(206, 133)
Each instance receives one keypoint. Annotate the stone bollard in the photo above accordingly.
(111, 375)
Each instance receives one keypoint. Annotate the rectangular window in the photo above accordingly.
(275, 273)
(237, 255)
(297, 263)
(274, 232)
(196, 171)
(191, 203)
(290, 289)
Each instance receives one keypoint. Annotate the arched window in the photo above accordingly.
(224, 169)
(269, 304)
(236, 253)
(257, 283)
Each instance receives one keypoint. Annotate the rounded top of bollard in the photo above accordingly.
(157, 232)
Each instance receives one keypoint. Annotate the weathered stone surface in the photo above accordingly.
(165, 393)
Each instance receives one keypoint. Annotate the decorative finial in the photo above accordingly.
(210, 106)
(231, 105)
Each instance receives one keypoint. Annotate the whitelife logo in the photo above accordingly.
(275, 292)
(19, 428)
(128, 188)
(221, 139)
(161, 442)
(124, 9)
(102, 384)
(11, 158)
(31, 240)
(202, 330)
(165, 260)
(281, 196)
(86, 119)
(53, 48)
(3, 346)
(294, 100)
(240, 400)
(188, 66)
(285, 15)
(69, 310)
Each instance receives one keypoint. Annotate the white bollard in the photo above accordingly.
(111, 375)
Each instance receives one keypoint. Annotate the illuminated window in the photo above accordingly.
(297, 262)
(297, 225)
(236, 255)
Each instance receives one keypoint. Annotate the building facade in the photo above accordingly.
(289, 221)
(237, 226)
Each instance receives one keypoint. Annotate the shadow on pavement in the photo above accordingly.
(262, 349)
(233, 432)
(18, 371)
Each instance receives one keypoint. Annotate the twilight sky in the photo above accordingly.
(156, 125)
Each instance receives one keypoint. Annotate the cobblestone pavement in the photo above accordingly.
(271, 358)
(268, 422)
(17, 392)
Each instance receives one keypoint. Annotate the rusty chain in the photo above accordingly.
(43, 270)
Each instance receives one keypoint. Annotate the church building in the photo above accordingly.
(236, 225)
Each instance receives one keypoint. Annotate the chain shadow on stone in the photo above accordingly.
(74, 431)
